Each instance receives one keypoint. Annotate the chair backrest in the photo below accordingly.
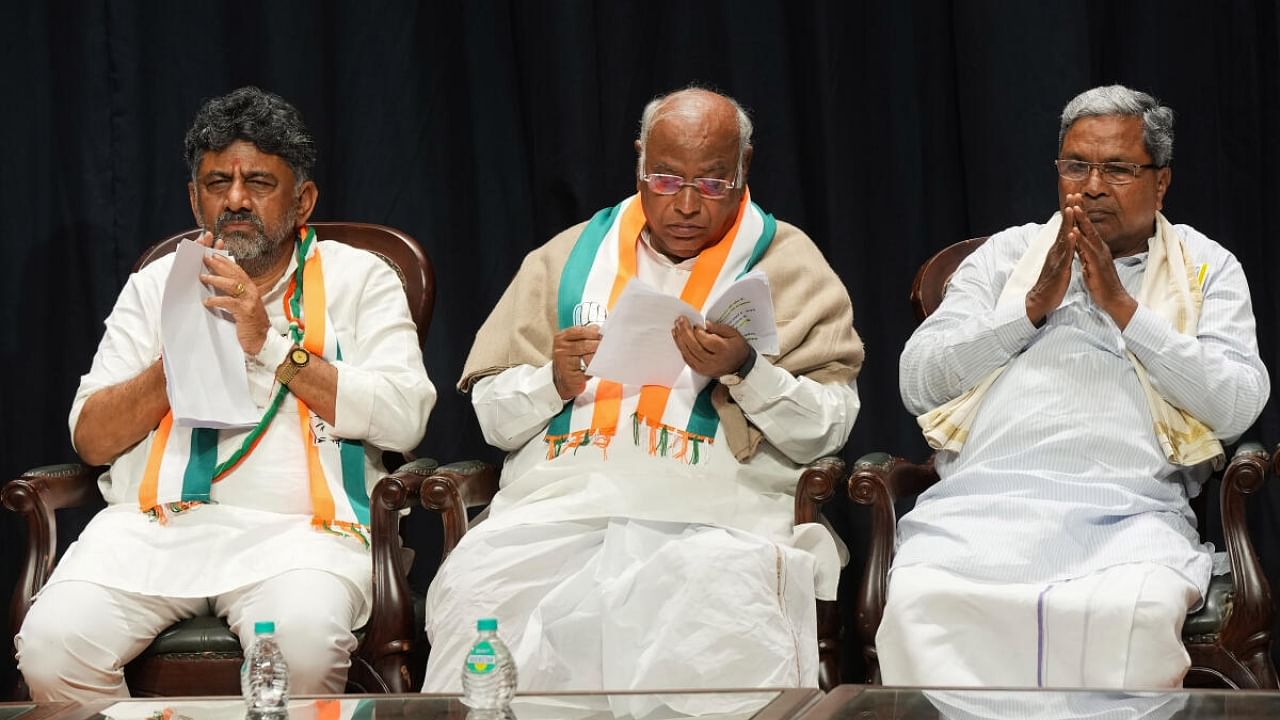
(396, 248)
(931, 280)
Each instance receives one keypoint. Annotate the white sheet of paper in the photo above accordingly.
(637, 348)
(748, 307)
(204, 369)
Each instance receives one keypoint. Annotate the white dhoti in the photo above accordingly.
(617, 604)
(1118, 628)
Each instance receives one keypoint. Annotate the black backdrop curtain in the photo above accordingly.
(885, 129)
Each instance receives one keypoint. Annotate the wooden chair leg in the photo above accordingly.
(828, 644)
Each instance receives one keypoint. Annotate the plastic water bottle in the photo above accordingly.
(489, 673)
(264, 677)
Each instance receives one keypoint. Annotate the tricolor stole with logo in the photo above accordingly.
(672, 421)
(182, 465)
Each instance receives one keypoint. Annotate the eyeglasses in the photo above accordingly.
(1113, 173)
(710, 188)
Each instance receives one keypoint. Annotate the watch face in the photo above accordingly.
(298, 356)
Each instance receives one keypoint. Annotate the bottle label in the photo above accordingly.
(482, 658)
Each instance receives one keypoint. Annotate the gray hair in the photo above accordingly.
(653, 112)
(1157, 120)
(265, 119)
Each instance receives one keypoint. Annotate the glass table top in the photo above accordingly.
(847, 702)
(868, 703)
(669, 705)
(32, 711)
(14, 711)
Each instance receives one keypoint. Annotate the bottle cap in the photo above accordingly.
(487, 624)
(261, 628)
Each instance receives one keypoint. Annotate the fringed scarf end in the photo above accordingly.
(160, 513)
(342, 528)
(669, 442)
(597, 438)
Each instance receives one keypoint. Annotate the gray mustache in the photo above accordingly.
(234, 217)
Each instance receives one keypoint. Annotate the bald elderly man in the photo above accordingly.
(644, 537)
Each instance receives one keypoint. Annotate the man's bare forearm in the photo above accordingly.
(116, 418)
(317, 386)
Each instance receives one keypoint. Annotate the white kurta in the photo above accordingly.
(1063, 441)
(258, 523)
(683, 572)
(1062, 477)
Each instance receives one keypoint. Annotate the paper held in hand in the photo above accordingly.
(204, 365)
(637, 347)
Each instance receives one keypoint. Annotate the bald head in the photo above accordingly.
(698, 112)
(700, 141)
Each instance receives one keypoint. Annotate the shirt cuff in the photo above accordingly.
(1012, 327)
(543, 392)
(273, 351)
(1147, 334)
(353, 402)
(261, 368)
(765, 383)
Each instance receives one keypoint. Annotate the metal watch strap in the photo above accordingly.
(288, 370)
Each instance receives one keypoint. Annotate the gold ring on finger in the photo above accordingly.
(238, 291)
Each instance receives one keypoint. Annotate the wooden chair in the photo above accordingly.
(201, 656)
(1229, 639)
(818, 484)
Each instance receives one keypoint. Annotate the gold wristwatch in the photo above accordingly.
(297, 359)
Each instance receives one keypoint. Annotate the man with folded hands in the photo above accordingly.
(1078, 381)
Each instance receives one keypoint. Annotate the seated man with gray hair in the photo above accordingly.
(644, 536)
(261, 523)
(1078, 381)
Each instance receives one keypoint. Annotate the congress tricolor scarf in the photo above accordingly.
(669, 421)
(182, 465)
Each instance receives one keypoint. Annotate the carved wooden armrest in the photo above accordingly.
(390, 633)
(878, 480)
(817, 485)
(1248, 621)
(870, 485)
(453, 488)
(36, 495)
(390, 497)
(56, 487)
(398, 490)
